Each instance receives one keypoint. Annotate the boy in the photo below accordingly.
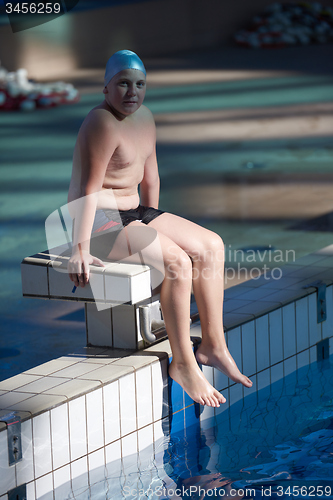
(114, 154)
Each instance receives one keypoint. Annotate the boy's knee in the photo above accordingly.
(179, 265)
(213, 247)
(215, 242)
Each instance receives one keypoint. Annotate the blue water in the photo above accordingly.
(272, 445)
(276, 443)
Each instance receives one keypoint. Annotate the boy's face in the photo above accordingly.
(126, 91)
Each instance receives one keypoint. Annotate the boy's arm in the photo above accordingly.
(150, 184)
(96, 144)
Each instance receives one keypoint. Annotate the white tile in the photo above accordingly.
(113, 468)
(127, 283)
(112, 452)
(263, 379)
(4, 497)
(303, 358)
(99, 325)
(206, 423)
(314, 326)
(79, 473)
(95, 420)
(111, 412)
(77, 428)
(225, 393)
(41, 431)
(34, 280)
(96, 460)
(13, 383)
(96, 282)
(289, 365)
(327, 326)
(10, 399)
(129, 444)
(235, 393)
(124, 327)
(289, 330)
(117, 288)
(160, 389)
(61, 286)
(60, 436)
(223, 407)
(7, 474)
(62, 483)
(144, 396)
(159, 432)
(146, 438)
(313, 354)
(51, 367)
(250, 390)
(208, 373)
(75, 387)
(262, 343)
(97, 473)
(276, 372)
(235, 346)
(127, 404)
(44, 487)
(221, 381)
(140, 287)
(25, 468)
(248, 348)
(275, 336)
(31, 493)
(43, 384)
(78, 370)
(302, 324)
(207, 413)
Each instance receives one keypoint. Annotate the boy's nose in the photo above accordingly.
(131, 90)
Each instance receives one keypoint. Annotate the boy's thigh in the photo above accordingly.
(142, 244)
(186, 234)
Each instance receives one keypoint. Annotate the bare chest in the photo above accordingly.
(134, 147)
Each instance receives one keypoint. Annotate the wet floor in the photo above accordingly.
(244, 146)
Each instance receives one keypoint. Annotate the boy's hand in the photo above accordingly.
(78, 267)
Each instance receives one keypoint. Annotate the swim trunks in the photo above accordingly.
(108, 224)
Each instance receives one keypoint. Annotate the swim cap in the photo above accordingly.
(123, 59)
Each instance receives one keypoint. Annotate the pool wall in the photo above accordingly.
(83, 411)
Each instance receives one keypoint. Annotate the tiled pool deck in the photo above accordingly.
(82, 411)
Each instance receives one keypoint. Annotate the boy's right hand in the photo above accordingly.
(78, 267)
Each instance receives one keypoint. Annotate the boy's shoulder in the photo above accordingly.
(146, 112)
(97, 120)
(100, 114)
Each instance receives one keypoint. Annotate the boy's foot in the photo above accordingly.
(195, 384)
(223, 361)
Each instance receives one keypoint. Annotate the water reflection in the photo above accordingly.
(277, 442)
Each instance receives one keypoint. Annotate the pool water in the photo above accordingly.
(276, 443)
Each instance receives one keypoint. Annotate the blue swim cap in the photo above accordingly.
(123, 59)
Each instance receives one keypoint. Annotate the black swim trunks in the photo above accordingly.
(108, 224)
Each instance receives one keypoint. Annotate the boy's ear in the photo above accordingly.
(105, 90)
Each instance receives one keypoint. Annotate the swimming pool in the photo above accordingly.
(276, 443)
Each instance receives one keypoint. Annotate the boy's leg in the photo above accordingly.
(175, 302)
(206, 250)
